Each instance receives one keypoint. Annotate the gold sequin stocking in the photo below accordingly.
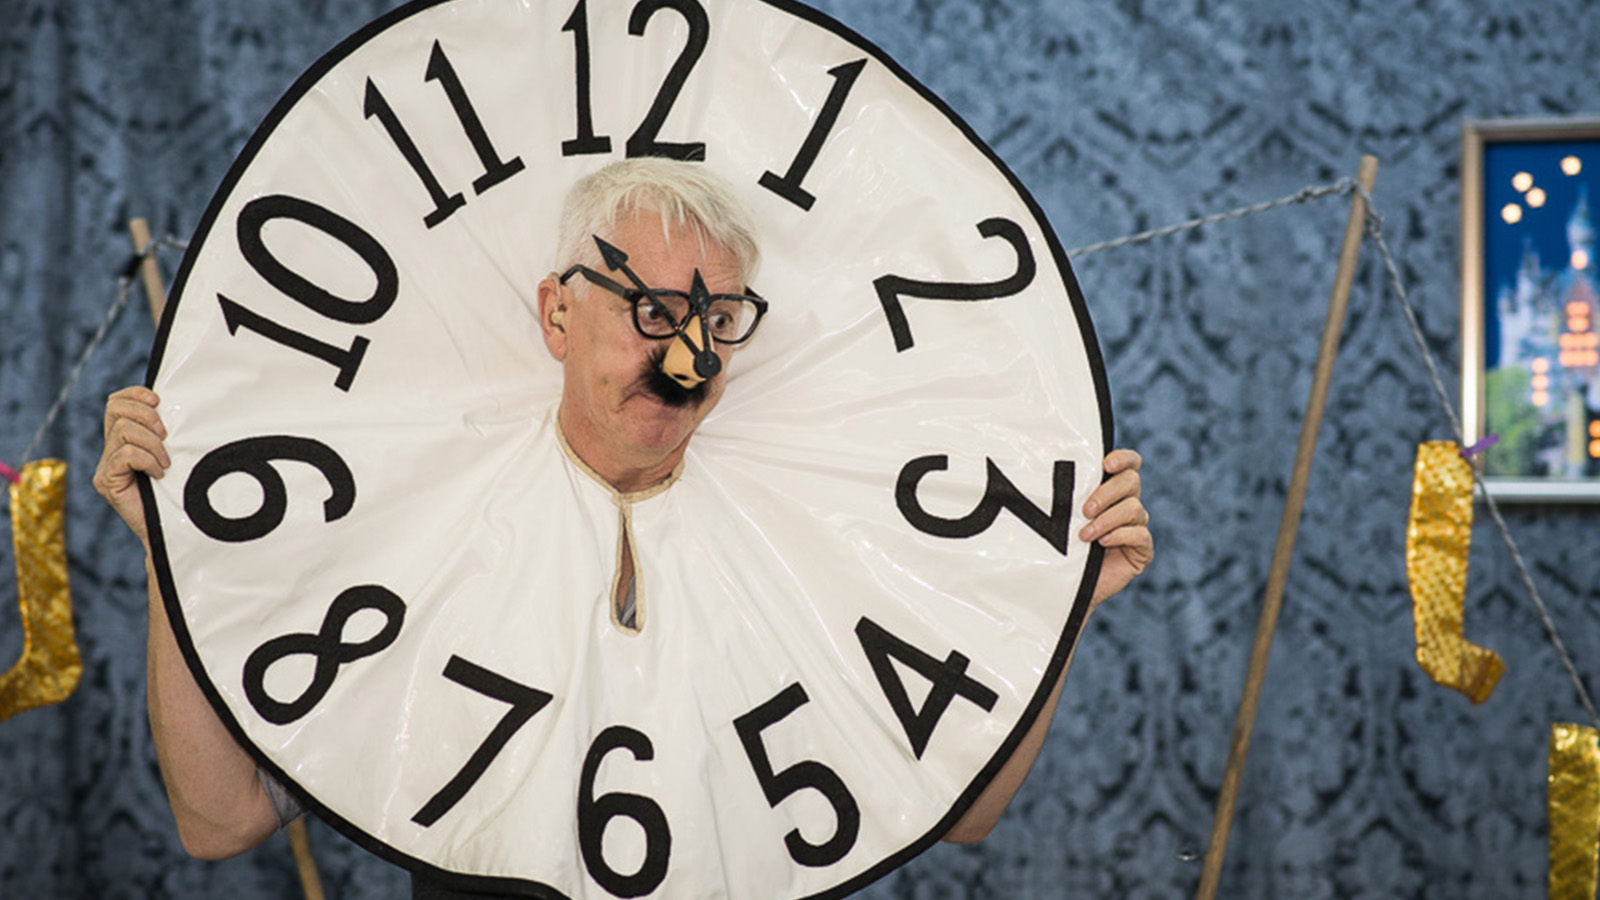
(1574, 797)
(1437, 541)
(49, 669)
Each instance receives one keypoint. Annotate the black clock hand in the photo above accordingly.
(706, 361)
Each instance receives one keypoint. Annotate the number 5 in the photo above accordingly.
(805, 774)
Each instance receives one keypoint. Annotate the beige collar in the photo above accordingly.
(621, 498)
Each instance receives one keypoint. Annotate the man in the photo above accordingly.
(625, 417)
(640, 370)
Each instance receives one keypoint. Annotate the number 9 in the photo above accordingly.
(253, 457)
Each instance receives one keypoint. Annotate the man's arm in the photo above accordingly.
(1119, 522)
(217, 800)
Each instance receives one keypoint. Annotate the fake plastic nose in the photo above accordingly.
(686, 361)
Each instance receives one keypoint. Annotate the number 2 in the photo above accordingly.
(891, 288)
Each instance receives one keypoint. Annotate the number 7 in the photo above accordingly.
(525, 702)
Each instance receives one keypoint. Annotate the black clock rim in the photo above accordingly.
(528, 887)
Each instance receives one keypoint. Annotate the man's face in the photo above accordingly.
(620, 414)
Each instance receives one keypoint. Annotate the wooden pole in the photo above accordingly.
(1288, 526)
(150, 273)
(304, 862)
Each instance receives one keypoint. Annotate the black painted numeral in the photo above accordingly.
(595, 813)
(346, 359)
(525, 702)
(444, 203)
(586, 141)
(998, 494)
(643, 141)
(495, 169)
(788, 186)
(252, 222)
(947, 678)
(254, 457)
(893, 287)
(800, 776)
(327, 646)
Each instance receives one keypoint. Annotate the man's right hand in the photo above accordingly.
(134, 443)
(217, 800)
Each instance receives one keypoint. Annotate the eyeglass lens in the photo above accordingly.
(729, 318)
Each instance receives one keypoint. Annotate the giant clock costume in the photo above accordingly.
(393, 581)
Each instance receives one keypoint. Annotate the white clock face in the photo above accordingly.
(396, 586)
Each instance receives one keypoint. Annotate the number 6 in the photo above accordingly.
(595, 813)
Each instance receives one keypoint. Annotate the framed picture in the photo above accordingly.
(1530, 288)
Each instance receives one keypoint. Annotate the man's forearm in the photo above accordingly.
(217, 800)
(985, 812)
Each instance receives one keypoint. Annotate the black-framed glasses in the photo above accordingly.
(731, 318)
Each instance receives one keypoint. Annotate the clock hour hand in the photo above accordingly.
(706, 362)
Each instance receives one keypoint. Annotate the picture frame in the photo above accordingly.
(1530, 306)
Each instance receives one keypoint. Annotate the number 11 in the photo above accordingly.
(495, 169)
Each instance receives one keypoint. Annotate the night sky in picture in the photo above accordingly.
(1530, 189)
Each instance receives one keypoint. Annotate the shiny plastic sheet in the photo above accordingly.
(1574, 798)
(395, 582)
(1438, 539)
(50, 667)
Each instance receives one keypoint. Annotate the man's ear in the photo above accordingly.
(552, 316)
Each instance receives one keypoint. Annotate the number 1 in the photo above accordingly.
(587, 141)
(788, 187)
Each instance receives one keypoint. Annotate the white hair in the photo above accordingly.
(684, 195)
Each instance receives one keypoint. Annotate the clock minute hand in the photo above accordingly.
(706, 362)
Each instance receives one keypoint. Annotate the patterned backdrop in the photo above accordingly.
(1365, 780)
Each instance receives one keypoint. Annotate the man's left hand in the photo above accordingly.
(1120, 523)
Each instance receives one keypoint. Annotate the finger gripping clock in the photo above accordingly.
(394, 580)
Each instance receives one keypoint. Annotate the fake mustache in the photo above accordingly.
(666, 389)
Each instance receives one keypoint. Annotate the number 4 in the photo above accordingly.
(949, 680)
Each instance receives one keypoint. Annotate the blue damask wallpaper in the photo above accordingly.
(1365, 780)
